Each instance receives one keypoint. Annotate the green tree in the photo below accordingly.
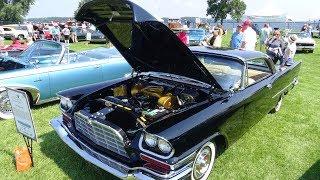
(238, 8)
(220, 9)
(14, 10)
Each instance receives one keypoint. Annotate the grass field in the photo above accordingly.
(285, 145)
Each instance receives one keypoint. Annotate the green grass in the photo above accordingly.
(285, 145)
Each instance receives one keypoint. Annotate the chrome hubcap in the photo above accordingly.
(202, 163)
(5, 106)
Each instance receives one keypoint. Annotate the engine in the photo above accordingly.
(142, 102)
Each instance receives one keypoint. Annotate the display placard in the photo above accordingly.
(19, 101)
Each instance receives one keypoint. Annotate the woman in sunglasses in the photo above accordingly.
(276, 47)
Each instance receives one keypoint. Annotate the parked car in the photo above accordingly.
(98, 37)
(13, 49)
(180, 109)
(16, 31)
(82, 34)
(304, 41)
(196, 36)
(46, 68)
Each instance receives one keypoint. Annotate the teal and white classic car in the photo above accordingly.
(48, 67)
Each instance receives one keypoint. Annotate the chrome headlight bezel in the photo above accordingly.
(162, 148)
(65, 103)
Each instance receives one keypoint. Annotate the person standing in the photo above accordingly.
(236, 38)
(1, 37)
(249, 37)
(55, 31)
(264, 35)
(218, 39)
(73, 31)
(66, 34)
(41, 31)
(183, 36)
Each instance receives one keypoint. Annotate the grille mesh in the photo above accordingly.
(100, 134)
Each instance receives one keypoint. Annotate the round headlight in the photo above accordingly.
(164, 146)
(65, 103)
(150, 140)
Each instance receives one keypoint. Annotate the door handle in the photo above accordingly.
(269, 86)
(97, 66)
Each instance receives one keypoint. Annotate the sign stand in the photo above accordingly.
(20, 105)
(28, 142)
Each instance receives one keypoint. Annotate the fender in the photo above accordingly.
(34, 92)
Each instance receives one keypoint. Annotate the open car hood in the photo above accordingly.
(146, 43)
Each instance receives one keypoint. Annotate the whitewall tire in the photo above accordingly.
(204, 162)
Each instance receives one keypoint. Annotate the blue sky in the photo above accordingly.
(297, 10)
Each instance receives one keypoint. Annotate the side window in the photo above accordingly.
(6, 29)
(257, 70)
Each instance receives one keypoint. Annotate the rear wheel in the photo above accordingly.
(204, 162)
(5, 106)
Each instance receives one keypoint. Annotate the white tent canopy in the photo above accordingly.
(269, 18)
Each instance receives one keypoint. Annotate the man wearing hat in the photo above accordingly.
(249, 36)
(289, 52)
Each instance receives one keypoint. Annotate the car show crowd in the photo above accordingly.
(279, 44)
(29, 32)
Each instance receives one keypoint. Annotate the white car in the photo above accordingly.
(304, 41)
(15, 31)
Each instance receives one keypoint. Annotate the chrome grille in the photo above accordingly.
(100, 134)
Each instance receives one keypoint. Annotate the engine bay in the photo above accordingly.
(138, 102)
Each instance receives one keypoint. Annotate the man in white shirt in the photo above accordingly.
(249, 37)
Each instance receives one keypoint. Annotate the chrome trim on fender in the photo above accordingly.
(285, 88)
(135, 172)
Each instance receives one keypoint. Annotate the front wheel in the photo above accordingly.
(204, 162)
(5, 106)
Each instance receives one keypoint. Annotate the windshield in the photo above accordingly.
(46, 52)
(226, 72)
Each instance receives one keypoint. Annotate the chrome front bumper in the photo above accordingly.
(135, 173)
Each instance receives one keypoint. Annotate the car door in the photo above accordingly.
(113, 65)
(74, 70)
(259, 79)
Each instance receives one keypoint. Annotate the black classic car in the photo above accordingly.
(178, 110)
